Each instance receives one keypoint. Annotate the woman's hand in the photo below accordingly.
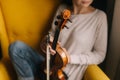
(52, 52)
(43, 45)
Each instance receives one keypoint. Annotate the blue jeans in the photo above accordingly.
(26, 61)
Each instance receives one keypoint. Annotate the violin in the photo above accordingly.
(60, 59)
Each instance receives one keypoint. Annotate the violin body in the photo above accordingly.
(56, 66)
(59, 63)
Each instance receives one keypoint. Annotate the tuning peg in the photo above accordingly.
(59, 17)
(56, 22)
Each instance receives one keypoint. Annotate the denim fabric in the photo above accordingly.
(26, 61)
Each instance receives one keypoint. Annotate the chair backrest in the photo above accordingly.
(24, 20)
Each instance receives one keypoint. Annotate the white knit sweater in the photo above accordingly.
(85, 41)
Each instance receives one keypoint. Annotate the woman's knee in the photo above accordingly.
(15, 47)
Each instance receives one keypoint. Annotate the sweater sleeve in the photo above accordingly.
(97, 55)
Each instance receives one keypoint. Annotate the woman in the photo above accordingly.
(85, 42)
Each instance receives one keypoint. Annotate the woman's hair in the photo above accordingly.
(68, 2)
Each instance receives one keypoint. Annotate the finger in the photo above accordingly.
(49, 47)
(53, 52)
(59, 42)
(51, 39)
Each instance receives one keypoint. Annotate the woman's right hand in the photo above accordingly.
(43, 45)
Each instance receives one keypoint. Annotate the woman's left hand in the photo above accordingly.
(52, 52)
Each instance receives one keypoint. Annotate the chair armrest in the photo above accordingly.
(6, 71)
(3, 72)
(93, 72)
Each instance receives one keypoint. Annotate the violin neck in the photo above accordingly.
(56, 36)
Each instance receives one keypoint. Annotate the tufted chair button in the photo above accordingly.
(14, 34)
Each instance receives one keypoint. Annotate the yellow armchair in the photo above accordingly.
(26, 20)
